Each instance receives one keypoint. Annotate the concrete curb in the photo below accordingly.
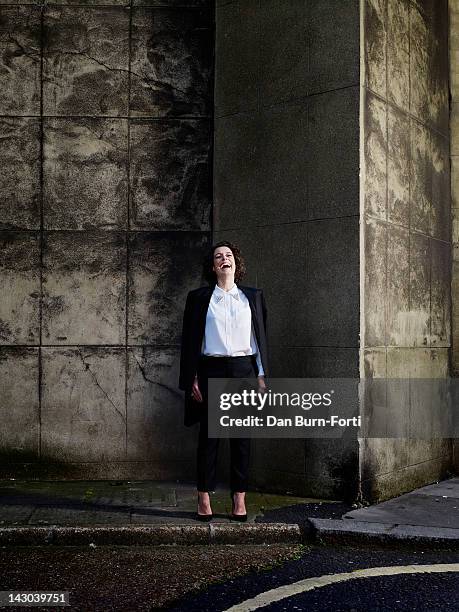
(318, 531)
(147, 535)
(347, 531)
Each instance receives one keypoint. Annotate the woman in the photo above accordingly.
(224, 336)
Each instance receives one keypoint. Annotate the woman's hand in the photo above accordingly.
(195, 392)
(261, 385)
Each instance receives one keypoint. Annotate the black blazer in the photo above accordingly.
(194, 323)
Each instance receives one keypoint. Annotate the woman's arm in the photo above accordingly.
(256, 351)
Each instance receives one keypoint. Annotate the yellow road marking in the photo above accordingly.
(302, 586)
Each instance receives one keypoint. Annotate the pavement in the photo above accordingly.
(151, 513)
(428, 515)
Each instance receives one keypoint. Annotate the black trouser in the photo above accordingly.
(222, 367)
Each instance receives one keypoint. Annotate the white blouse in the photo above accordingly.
(229, 330)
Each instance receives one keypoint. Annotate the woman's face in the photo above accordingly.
(224, 264)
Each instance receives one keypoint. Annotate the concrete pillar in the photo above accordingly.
(405, 224)
(454, 131)
(286, 185)
(332, 173)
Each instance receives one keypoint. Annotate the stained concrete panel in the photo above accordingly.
(283, 72)
(155, 407)
(275, 453)
(20, 63)
(170, 175)
(90, 3)
(281, 155)
(237, 59)
(334, 44)
(20, 184)
(454, 125)
(163, 267)
(333, 272)
(428, 7)
(421, 178)
(375, 41)
(387, 405)
(84, 288)
(455, 310)
(453, 47)
(313, 362)
(398, 47)
(375, 302)
(417, 362)
(96, 196)
(287, 361)
(331, 362)
(26, 2)
(398, 167)
(385, 486)
(175, 3)
(374, 363)
(83, 412)
(20, 282)
(420, 44)
(383, 455)
(86, 53)
(429, 66)
(455, 230)
(282, 272)
(375, 152)
(270, 150)
(399, 316)
(279, 481)
(440, 222)
(425, 450)
(419, 315)
(171, 63)
(440, 293)
(19, 404)
(333, 465)
(439, 72)
(235, 169)
(333, 154)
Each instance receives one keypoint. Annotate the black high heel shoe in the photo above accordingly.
(240, 518)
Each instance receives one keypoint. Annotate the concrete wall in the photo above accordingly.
(105, 199)
(286, 189)
(405, 237)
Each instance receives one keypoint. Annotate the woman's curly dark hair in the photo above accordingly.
(210, 275)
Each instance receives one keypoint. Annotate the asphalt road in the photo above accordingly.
(401, 592)
(127, 578)
(214, 578)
